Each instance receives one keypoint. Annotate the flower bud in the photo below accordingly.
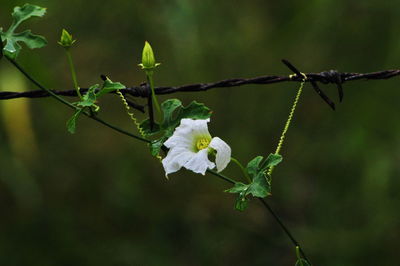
(66, 39)
(148, 60)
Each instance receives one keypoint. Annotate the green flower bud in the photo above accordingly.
(66, 39)
(148, 60)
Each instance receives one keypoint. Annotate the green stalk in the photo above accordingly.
(149, 75)
(223, 177)
(73, 73)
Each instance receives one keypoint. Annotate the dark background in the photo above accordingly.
(99, 198)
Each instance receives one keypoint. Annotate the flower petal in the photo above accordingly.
(199, 163)
(181, 140)
(183, 150)
(185, 134)
(176, 158)
(223, 156)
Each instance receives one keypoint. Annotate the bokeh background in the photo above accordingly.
(99, 198)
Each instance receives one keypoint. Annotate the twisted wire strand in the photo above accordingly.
(142, 91)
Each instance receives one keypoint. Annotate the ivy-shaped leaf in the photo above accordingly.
(155, 146)
(173, 113)
(71, 123)
(89, 98)
(260, 185)
(109, 86)
(272, 160)
(20, 14)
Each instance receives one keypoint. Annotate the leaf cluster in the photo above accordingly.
(89, 100)
(260, 185)
(12, 39)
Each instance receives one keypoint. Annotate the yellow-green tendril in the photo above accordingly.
(285, 129)
(130, 114)
(133, 118)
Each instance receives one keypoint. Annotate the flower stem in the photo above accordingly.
(149, 75)
(246, 175)
(288, 121)
(73, 73)
(221, 176)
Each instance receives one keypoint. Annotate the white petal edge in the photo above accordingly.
(223, 156)
(176, 158)
(199, 163)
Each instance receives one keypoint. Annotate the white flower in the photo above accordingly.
(190, 145)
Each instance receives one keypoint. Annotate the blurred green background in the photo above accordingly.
(99, 198)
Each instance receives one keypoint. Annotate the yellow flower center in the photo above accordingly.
(202, 143)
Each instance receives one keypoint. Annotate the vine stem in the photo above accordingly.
(70, 105)
(223, 177)
(285, 229)
(272, 212)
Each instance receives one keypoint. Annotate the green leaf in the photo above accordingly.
(31, 40)
(253, 167)
(258, 188)
(145, 125)
(237, 188)
(174, 112)
(272, 160)
(168, 108)
(12, 48)
(71, 123)
(302, 262)
(89, 98)
(194, 110)
(155, 146)
(260, 185)
(110, 86)
(26, 11)
(241, 203)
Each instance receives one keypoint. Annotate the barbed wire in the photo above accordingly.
(143, 91)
